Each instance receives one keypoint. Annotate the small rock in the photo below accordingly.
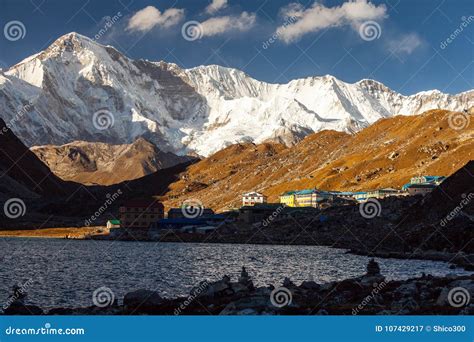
(288, 283)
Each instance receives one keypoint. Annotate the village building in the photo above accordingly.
(198, 224)
(420, 189)
(139, 214)
(113, 224)
(252, 198)
(426, 180)
(259, 212)
(347, 195)
(360, 196)
(436, 180)
(288, 198)
(181, 213)
(422, 185)
(305, 198)
(363, 196)
(312, 198)
(382, 193)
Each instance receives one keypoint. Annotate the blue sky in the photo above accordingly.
(409, 51)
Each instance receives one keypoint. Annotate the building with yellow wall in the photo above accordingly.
(304, 198)
(288, 199)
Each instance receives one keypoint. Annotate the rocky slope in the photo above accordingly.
(33, 197)
(386, 154)
(79, 90)
(105, 164)
(22, 173)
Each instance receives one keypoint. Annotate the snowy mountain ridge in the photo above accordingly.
(199, 110)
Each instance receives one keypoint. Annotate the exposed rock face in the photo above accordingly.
(199, 110)
(105, 164)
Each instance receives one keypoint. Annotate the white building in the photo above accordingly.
(252, 198)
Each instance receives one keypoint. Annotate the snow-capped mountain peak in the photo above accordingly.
(199, 110)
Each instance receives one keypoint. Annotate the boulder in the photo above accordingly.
(310, 285)
(18, 308)
(218, 288)
(142, 298)
(254, 304)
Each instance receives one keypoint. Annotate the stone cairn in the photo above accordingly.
(373, 268)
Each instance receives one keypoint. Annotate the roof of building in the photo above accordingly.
(305, 192)
(312, 191)
(430, 178)
(342, 193)
(114, 221)
(253, 193)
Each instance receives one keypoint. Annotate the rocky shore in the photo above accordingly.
(369, 294)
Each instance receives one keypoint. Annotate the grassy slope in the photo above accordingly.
(425, 144)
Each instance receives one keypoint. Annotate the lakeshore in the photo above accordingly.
(66, 273)
(367, 294)
(54, 233)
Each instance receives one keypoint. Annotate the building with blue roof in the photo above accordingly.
(305, 198)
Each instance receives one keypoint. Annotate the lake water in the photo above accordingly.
(65, 273)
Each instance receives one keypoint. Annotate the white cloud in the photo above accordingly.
(215, 6)
(219, 25)
(149, 17)
(406, 44)
(319, 17)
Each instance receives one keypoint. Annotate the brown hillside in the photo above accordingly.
(105, 164)
(385, 154)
